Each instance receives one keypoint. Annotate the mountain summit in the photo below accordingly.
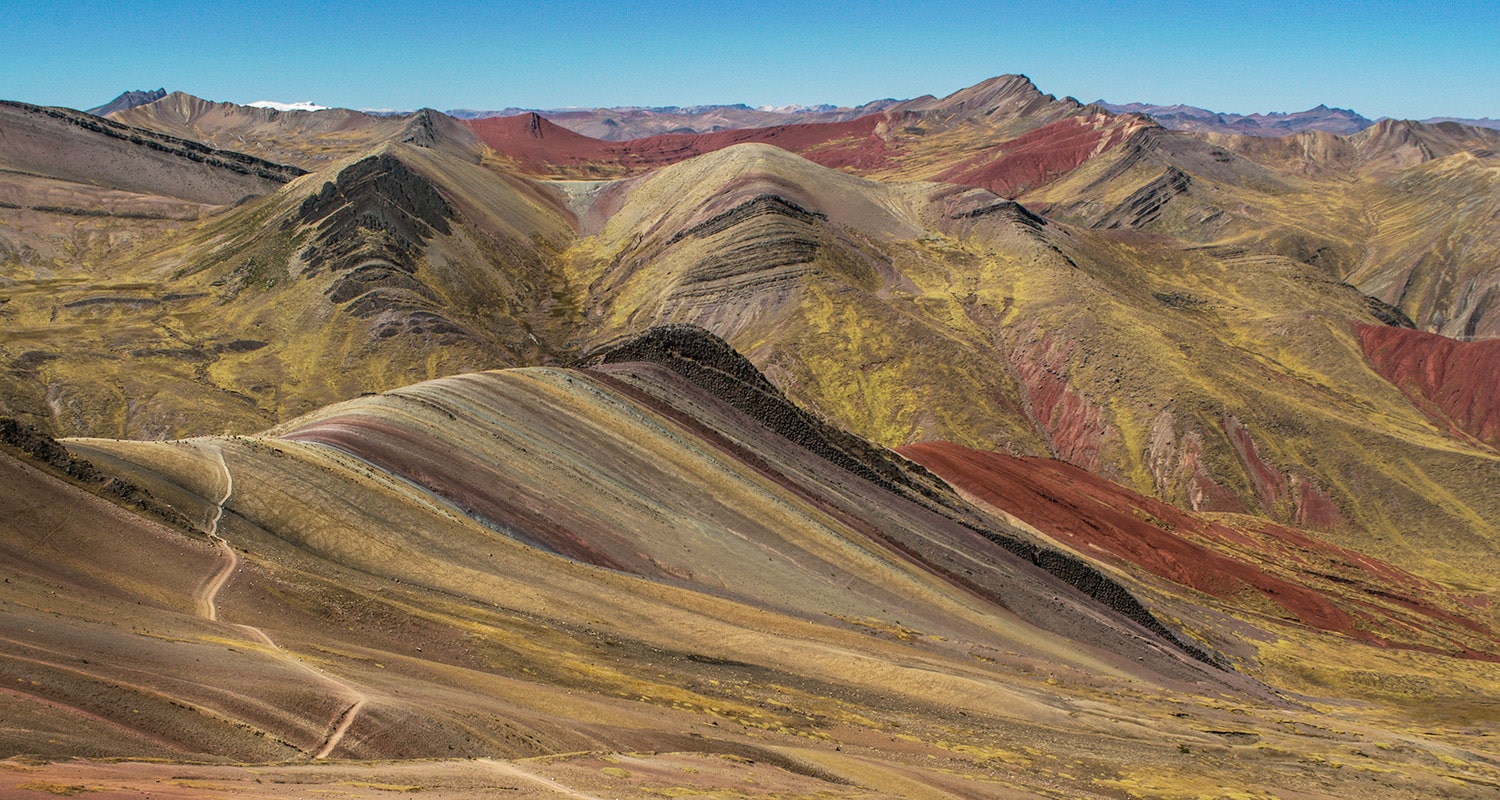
(126, 100)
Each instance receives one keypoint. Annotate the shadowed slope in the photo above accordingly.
(1435, 244)
(128, 99)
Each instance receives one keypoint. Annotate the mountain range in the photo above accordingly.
(990, 444)
(633, 122)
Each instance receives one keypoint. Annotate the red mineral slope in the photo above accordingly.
(1285, 496)
(1312, 582)
(1075, 426)
(1038, 157)
(1003, 135)
(540, 145)
(1455, 383)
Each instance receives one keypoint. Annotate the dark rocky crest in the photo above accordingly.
(127, 100)
(373, 221)
(46, 452)
(711, 363)
(705, 359)
(1389, 314)
(382, 192)
(1144, 206)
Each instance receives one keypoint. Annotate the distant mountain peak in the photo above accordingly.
(129, 99)
(1005, 95)
(1321, 117)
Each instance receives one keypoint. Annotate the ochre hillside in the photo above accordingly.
(519, 456)
(624, 560)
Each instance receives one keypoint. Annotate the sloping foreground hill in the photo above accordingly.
(635, 579)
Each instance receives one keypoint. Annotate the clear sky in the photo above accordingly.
(1400, 59)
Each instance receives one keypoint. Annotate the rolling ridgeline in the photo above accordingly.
(486, 439)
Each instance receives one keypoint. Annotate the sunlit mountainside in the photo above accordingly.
(983, 445)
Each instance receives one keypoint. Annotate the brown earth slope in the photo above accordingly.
(73, 146)
(1217, 378)
(772, 608)
(310, 139)
(75, 188)
(1178, 320)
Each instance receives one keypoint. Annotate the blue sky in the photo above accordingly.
(1413, 59)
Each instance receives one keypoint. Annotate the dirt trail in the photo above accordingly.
(516, 771)
(211, 589)
(209, 610)
(341, 727)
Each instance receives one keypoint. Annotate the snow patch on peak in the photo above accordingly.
(797, 108)
(305, 105)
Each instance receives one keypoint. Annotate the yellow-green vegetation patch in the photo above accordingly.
(63, 789)
(382, 787)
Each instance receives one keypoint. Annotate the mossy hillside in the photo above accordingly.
(903, 311)
(292, 350)
(1292, 377)
(1143, 332)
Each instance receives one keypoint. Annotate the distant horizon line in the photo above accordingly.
(789, 108)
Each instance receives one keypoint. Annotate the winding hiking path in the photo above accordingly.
(514, 770)
(209, 610)
(211, 589)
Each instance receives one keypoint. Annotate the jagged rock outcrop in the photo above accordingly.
(372, 223)
(1144, 205)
